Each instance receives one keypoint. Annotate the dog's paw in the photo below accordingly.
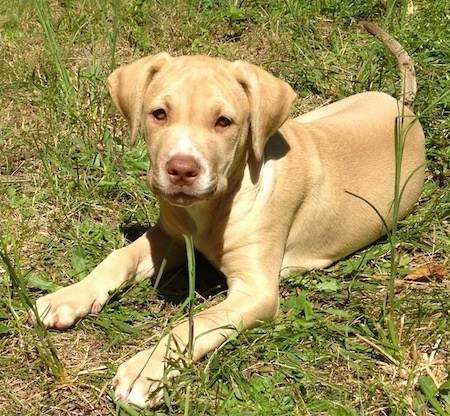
(139, 380)
(66, 306)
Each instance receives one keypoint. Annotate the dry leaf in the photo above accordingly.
(428, 273)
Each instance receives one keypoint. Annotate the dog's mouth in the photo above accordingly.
(182, 199)
(186, 195)
(183, 195)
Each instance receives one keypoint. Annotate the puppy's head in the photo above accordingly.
(202, 118)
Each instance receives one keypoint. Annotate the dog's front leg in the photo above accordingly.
(132, 263)
(139, 380)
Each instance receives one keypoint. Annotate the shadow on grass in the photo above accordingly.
(174, 285)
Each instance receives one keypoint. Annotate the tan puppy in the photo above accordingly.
(258, 194)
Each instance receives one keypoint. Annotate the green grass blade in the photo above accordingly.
(430, 391)
(44, 346)
(68, 93)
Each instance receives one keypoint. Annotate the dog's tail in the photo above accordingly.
(407, 72)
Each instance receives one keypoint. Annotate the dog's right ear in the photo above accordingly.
(127, 86)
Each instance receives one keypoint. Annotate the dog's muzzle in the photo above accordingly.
(182, 181)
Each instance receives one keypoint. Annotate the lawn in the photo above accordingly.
(368, 336)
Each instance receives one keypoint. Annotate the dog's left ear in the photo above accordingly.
(127, 86)
(270, 101)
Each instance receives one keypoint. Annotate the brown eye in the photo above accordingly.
(223, 122)
(159, 114)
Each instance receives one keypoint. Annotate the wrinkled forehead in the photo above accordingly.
(197, 78)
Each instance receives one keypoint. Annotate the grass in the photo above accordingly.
(71, 190)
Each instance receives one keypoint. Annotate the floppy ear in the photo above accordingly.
(270, 101)
(127, 86)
